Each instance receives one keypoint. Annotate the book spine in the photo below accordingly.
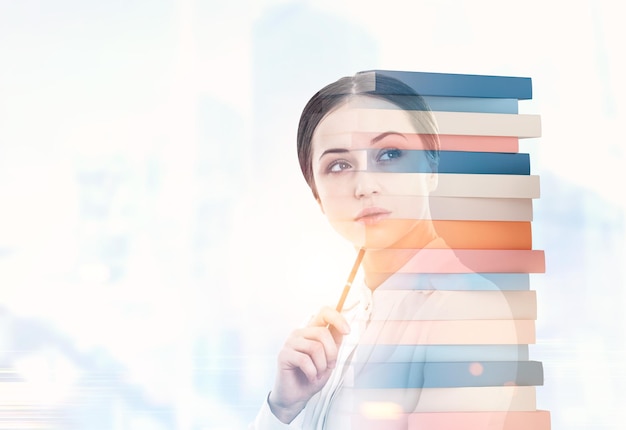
(464, 162)
(443, 353)
(488, 124)
(472, 332)
(463, 305)
(472, 104)
(452, 142)
(385, 419)
(485, 234)
(460, 281)
(486, 186)
(481, 209)
(479, 260)
(511, 420)
(448, 374)
(458, 399)
(493, 163)
(455, 123)
(462, 85)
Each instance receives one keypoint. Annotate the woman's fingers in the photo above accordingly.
(317, 344)
(328, 317)
(296, 359)
(306, 362)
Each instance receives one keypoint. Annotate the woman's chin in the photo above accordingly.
(389, 233)
(373, 241)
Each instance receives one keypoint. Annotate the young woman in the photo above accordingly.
(368, 149)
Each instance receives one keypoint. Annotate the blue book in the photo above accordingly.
(458, 281)
(472, 104)
(448, 375)
(494, 163)
(465, 162)
(460, 85)
(467, 104)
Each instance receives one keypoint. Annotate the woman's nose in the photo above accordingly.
(366, 184)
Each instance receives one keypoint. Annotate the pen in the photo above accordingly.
(346, 288)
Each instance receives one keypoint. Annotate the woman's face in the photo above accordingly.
(365, 172)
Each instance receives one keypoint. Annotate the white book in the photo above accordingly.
(476, 185)
(481, 209)
(443, 353)
(451, 123)
(488, 124)
(489, 186)
(460, 305)
(463, 332)
(458, 399)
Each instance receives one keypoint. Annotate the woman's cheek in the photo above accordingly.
(336, 185)
(349, 230)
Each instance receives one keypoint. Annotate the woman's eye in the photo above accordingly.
(338, 166)
(389, 155)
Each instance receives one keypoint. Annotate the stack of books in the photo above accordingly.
(463, 359)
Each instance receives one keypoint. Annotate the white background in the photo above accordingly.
(157, 241)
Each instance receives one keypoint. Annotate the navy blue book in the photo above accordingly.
(460, 85)
(489, 163)
(449, 375)
(464, 162)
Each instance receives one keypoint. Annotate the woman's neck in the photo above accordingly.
(380, 264)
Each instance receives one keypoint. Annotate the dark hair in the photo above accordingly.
(372, 84)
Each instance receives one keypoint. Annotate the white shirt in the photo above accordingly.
(334, 406)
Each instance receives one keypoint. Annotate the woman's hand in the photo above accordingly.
(305, 363)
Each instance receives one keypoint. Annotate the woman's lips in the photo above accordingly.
(371, 215)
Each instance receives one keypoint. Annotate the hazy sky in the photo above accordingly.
(188, 105)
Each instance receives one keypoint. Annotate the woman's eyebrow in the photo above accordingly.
(334, 151)
(388, 133)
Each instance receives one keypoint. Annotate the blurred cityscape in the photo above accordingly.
(145, 268)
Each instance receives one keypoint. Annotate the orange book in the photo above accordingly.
(485, 234)
(435, 260)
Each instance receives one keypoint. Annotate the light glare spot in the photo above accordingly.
(381, 410)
